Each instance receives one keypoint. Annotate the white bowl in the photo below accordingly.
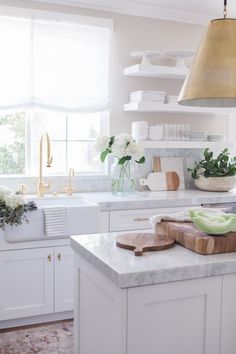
(215, 184)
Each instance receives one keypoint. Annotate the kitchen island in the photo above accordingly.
(169, 302)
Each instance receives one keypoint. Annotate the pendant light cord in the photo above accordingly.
(225, 8)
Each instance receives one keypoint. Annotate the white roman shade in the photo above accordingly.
(57, 62)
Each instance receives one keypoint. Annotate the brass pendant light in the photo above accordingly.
(211, 81)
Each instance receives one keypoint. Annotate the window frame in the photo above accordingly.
(104, 130)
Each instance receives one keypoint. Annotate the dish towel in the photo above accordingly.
(183, 215)
(180, 216)
(55, 221)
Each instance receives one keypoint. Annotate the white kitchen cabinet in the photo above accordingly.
(104, 221)
(99, 315)
(36, 282)
(228, 324)
(26, 280)
(182, 317)
(137, 219)
(179, 318)
(64, 278)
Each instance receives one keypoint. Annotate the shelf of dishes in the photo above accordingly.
(174, 144)
(173, 107)
(174, 136)
(147, 69)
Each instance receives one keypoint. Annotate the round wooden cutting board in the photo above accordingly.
(144, 242)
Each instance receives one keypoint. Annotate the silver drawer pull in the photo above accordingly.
(141, 219)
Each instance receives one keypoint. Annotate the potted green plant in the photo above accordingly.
(215, 174)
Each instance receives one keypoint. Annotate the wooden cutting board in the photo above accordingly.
(188, 236)
(144, 242)
(166, 164)
(161, 181)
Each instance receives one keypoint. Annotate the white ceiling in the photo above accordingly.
(192, 11)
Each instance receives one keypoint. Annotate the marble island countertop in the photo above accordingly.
(142, 200)
(126, 270)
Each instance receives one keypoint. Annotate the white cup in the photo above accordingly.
(139, 130)
(156, 132)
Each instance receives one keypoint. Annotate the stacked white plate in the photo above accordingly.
(215, 137)
(171, 99)
(197, 135)
(147, 96)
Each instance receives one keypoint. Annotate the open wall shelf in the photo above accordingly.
(167, 144)
(173, 108)
(155, 71)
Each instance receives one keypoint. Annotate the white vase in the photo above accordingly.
(215, 184)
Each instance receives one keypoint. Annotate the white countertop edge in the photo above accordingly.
(139, 200)
(216, 265)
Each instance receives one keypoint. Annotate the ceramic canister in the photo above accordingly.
(140, 130)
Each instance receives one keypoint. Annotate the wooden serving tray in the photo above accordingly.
(188, 236)
(144, 242)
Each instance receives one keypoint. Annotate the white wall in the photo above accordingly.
(131, 33)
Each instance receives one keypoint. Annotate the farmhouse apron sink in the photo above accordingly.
(82, 218)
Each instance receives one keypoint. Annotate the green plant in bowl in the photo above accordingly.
(215, 173)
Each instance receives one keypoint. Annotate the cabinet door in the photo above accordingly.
(175, 318)
(26, 283)
(64, 279)
(228, 325)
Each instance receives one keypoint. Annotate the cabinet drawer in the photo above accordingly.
(136, 219)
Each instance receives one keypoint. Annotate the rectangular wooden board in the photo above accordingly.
(186, 234)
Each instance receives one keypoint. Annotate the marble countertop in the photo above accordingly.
(126, 270)
(141, 200)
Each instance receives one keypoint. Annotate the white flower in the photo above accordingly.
(4, 191)
(119, 151)
(123, 139)
(124, 145)
(119, 147)
(135, 150)
(102, 143)
(13, 201)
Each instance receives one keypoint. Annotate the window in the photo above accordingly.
(12, 143)
(54, 77)
(72, 138)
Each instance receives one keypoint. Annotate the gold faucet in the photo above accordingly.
(42, 187)
(69, 189)
(22, 189)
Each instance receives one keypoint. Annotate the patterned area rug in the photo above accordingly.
(53, 338)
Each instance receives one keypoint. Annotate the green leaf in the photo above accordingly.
(111, 141)
(124, 159)
(142, 160)
(104, 155)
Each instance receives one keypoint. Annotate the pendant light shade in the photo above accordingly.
(211, 81)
